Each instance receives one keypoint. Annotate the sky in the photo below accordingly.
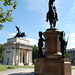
(30, 17)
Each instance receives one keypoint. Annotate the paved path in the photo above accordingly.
(73, 72)
(20, 71)
(23, 71)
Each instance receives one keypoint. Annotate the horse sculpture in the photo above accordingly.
(52, 15)
(19, 34)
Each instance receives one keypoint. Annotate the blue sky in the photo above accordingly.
(30, 16)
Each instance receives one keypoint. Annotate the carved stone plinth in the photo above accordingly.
(52, 64)
(52, 43)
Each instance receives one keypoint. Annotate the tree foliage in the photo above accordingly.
(35, 53)
(1, 52)
(6, 9)
(68, 55)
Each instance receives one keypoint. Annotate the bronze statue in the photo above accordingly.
(63, 44)
(19, 34)
(18, 29)
(55, 17)
(52, 15)
(40, 44)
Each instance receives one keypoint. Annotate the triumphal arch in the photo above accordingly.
(17, 51)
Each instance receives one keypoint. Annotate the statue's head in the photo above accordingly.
(23, 33)
(51, 1)
(40, 33)
(54, 7)
(62, 34)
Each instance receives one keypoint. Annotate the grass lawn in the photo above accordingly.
(4, 67)
(73, 67)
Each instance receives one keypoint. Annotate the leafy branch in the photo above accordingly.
(6, 15)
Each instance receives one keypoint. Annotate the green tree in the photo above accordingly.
(35, 53)
(1, 52)
(6, 9)
(68, 56)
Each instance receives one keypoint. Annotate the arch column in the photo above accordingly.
(18, 56)
(14, 56)
(25, 57)
(30, 57)
(21, 59)
(21, 56)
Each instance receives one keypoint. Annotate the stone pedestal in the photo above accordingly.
(52, 64)
(52, 43)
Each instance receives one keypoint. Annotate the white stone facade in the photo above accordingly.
(17, 51)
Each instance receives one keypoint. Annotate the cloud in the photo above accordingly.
(71, 47)
(67, 21)
(40, 5)
(71, 41)
(72, 35)
(73, 8)
(72, 38)
(37, 5)
(32, 41)
(12, 34)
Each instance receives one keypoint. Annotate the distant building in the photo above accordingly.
(17, 51)
(72, 53)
